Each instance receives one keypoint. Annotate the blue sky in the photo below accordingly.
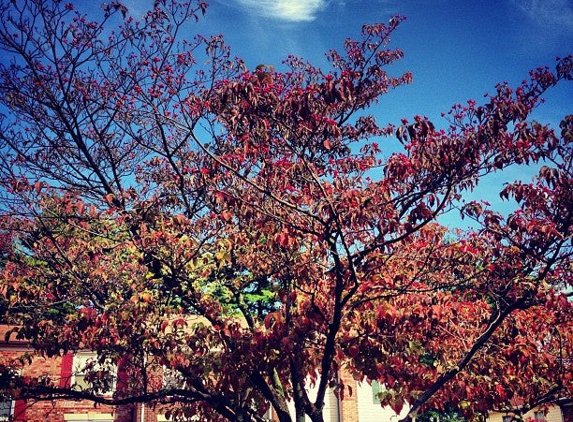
(456, 49)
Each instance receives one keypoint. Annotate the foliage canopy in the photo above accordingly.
(170, 209)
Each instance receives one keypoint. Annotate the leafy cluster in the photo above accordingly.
(242, 230)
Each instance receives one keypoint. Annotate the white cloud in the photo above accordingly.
(288, 10)
(556, 13)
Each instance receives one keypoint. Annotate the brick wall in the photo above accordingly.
(349, 403)
(46, 410)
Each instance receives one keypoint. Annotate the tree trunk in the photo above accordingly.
(300, 414)
(317, 417)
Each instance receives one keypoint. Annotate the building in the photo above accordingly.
(560, 412)
(59, 369)
(360, 406)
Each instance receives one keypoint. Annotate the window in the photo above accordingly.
(6, 409)
(172, 379)
(86, 363)
(507, 418)
(12, 409)
(539, 415)
(81, 363)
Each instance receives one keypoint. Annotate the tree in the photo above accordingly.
(241, 230)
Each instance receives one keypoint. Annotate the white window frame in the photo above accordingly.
(11, 412)
(171, 379)
(80, 360)
(12, 407)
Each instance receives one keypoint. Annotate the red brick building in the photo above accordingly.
(360, 406)
(61, 370)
